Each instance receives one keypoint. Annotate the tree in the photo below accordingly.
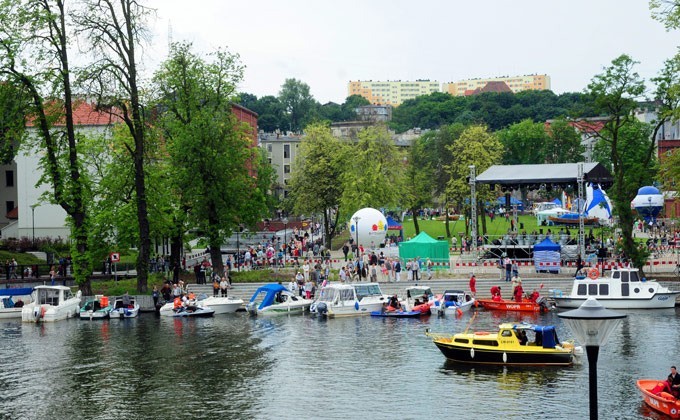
(14, 106)
(34, 41)
(563, 144)
(374, 175)
(297, 102)
(666, 12)
(475, 146)
(114, 29)
(211, 154)
(614, 94)
(315, 184)
(418, 187)
(524, 142)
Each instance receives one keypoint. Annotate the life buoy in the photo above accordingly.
(593, 273)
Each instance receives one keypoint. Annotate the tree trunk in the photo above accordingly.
(483, 216)
(216, 255)
(414, 212)
(446, 223)
(176, 255)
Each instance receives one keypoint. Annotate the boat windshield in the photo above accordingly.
(418, 292)
(67, 295)
(48, 297)
(331, 294)
(366, 290)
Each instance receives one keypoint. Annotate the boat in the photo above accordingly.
(659, 400)
(97, 308)
(190, 311)
(348, 300)
(13, 300)
(623, 289)
(51, 303)
(573, 219)
(419, 299)
(223, 305)
(510, 305)
(397, 314)
(541, 348)
(453, 302)
(125, 306)
(274, 299)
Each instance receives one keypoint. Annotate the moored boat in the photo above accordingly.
(97, 308)
(274, 299)
(573, 219)
(419, 299)
(125, 306)
(659, 400)
(510, 305)
(348, 300)
(453, 302)
(223, 305)
(51, 303)
(13, 300)
(191, 310)
(397, 314)
(509, 346)
(623, 289)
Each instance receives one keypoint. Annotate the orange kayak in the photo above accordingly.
(659, 401)
(510, 305)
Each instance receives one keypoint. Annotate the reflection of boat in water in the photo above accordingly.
(654, 396)
(348, 300)
(511, 345)
(274, 299)
(51, 303)
(453, 302)
(623, 289)
(13, 300)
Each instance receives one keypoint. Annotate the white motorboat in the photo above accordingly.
(223, 305)
(274, 299)
(192, 310)
(97, 308)
(13, 300)
(125, 306)
(419, 298)
(349, 300)
(623, 289)
(453, 302)
(51, 303)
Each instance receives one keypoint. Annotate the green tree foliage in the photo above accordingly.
(297, 102)
(475, 146)
(418, 188)
(563, 144)
(496, 110)
(14, 103)
(34, 40)
(211, 154)
(669, 173)
(524, 143)
(614, 94)
(666, 12)
(315, 183)
(374, 175)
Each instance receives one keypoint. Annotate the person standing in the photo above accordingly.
(224, 286)
(305, 270)
(155, 295)
(216, 286)
(508, 269)
(473, 285)
(397, 269)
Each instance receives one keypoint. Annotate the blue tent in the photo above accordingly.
(547, 256)
(393, 224)
(558, 202)
(513, 202)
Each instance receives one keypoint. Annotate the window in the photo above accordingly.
(9, 178)
(581, 291)
(604, 289)
(9, 205)
(286, 169)
(592, 290)
(269, 148)
(269, 160)
(286, 151)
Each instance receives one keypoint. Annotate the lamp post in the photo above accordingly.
(356, 229)
(592, 325)
(238, 249)
(33, 206)
(651, 219)
(285, 239)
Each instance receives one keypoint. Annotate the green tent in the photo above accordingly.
(424, 246)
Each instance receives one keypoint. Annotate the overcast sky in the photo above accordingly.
(328, 43)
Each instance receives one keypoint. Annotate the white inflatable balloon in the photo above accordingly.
(371, 226)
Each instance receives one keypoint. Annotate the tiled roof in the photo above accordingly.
(84, 113)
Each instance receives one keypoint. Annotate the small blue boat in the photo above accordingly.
(397, 314)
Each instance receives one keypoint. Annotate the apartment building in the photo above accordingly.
(391, 92)
(515, 83)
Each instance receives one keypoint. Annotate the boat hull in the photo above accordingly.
(198, 313)
(508, 305)
(10, 313)
(470, 355)
(223, 305)
(658, 301)
(281, 309)
(51, 313)
(452, 310)
(352, 309)
(398, 314)
(663, 403)
(121, 313)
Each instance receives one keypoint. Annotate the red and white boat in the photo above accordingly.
(659, 400)
(511, 305)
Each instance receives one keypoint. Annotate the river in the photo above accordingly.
(234, 366)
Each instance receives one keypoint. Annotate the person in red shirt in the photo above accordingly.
(496, 293)
(473, 285)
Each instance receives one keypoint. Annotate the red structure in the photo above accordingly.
(247, 116)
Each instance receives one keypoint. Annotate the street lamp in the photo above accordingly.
(651, 219)
(356, 229)
(592, 325)
(285, 239)
(33, 206)
(238, 249)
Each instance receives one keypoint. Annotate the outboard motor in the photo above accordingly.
(321, 309)
(37, 313)
(251, 307)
